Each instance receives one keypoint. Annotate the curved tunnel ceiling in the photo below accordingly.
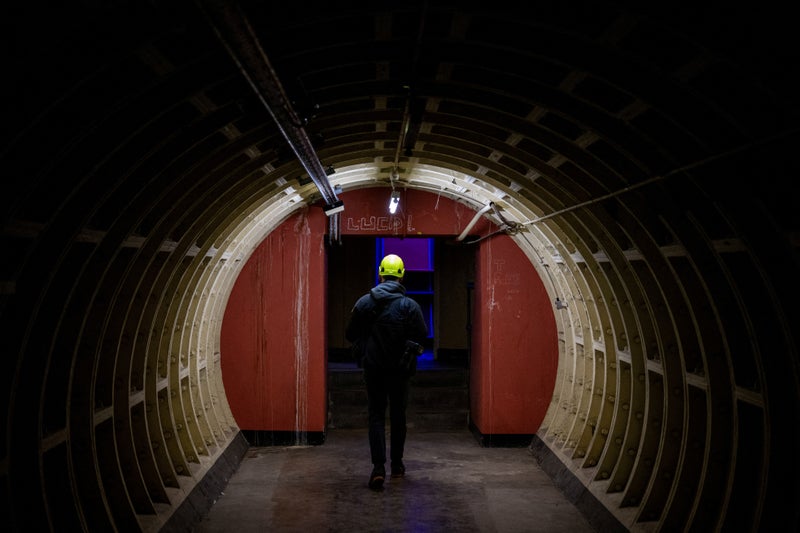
(644, 156)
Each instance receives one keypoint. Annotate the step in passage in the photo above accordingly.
(438, 399)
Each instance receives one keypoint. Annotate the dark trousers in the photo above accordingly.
(386, 389)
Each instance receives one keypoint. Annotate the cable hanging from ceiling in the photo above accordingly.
(404, 141)
(234, 31)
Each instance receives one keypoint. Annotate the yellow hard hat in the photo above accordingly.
(392, 265)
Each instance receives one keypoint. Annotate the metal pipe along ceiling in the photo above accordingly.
(234, 31)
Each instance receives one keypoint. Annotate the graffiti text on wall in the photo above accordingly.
(375, 224)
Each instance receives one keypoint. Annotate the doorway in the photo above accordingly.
(418, 260)
(439, 276)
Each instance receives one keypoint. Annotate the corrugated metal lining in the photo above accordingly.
(141, 172)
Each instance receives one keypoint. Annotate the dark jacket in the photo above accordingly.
(384, 319)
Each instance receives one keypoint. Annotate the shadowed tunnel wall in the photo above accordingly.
(645, 153)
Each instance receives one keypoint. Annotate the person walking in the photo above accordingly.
(387, 329)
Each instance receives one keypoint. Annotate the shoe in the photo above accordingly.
(398, 469)
(376, 478)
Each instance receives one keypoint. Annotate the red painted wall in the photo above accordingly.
(273, 353)
(419, 214)
(273, 337)
(515, 347)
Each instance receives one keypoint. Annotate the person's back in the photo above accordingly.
(396, 319)
(383, 323)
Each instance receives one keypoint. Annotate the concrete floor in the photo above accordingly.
(451, 484)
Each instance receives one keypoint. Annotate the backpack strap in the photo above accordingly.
(377, 308)
(359, 347)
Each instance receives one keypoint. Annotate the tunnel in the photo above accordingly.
(640, 158)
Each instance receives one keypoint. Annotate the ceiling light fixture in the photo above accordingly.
(394, 199)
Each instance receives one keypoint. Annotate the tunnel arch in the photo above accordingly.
(656, 146)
